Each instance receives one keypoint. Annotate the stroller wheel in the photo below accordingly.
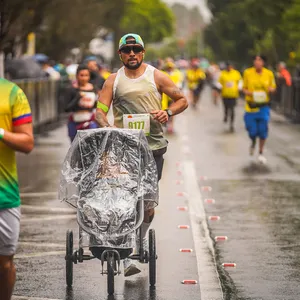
(111, 264)
(152, 258)
(69, 258)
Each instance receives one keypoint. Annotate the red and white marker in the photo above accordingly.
(178, 163)
(181, 194)
(185, 250)
(221, 238)
(182, 208)
(229, 265)
(189, 281)
(183, 226)
(214, 218)
(179, 182)
(210, 201)
(206, 188)
(203, 178)
(179, 173)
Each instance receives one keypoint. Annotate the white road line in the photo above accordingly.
(41, 245)
(30, 298)
(39, 194)
(43, 219)
(210, 285)
(48, 209)
(39, 254)
(209, 281)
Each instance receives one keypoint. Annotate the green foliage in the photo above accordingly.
(153, 20)
(61, 25)
(242, 28)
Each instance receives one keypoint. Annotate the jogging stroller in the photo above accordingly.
(109, 175)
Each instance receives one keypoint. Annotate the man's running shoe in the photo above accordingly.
(252, 150)
(130, 268)
(262, 159)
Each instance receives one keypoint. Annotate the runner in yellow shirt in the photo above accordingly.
(195, 79)
(259, 83)
(230, 80)
(177, 77)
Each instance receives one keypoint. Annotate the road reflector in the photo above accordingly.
(179, 182)
(221, 238)
(178, 163)
(183, 226)
(206, 188)
(214, 218)
(229, 265)
(182, 208)
(189, 281)
(185, 250)
(179, 173)
(203, 178)
(210, 201)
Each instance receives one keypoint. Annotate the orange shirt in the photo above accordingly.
(287, 76)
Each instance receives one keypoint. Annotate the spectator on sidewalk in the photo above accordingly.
(50, 71)
(15, 135)
(96, 80)
(284, 74)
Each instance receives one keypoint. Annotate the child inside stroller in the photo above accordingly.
(110, 176)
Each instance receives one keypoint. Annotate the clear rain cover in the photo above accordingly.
(105, 174)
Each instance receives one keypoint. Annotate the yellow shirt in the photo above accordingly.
(230, 83)
(194, 76)
(259, 84)
(177, 77)
(105, 74)
(14, 111)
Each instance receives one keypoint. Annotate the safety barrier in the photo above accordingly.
(46, 99)
(287, 99)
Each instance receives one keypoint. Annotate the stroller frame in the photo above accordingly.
(112, 256)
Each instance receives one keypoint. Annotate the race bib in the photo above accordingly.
(137, 121)
(229, 84)
(260, 97)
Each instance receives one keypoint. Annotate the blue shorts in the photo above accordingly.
(257, 123)
(72, 128)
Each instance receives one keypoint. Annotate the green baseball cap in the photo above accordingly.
(136, 37)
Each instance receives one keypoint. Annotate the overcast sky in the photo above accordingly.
(191, 3)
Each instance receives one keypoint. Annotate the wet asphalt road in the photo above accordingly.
(259, 207)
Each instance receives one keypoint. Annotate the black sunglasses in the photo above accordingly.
(135, 49)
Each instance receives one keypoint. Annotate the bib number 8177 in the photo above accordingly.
(136, 125)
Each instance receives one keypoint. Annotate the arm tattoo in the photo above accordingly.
(101, 119)
(177, 92)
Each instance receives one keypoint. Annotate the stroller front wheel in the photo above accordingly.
(111, 273)
(152, 258)
(69, 258)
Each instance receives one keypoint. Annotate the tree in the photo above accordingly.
(18, 18)
(63, 31)
(242, 28)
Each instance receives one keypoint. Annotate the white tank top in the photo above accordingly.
(138, 96)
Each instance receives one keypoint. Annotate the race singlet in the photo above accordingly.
(137, 121)
(260, 97)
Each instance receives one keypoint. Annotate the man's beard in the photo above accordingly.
(133, 67)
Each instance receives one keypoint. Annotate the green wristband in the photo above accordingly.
(102, 106)
(1, 133)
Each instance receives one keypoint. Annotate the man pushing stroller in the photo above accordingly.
(135, 93)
